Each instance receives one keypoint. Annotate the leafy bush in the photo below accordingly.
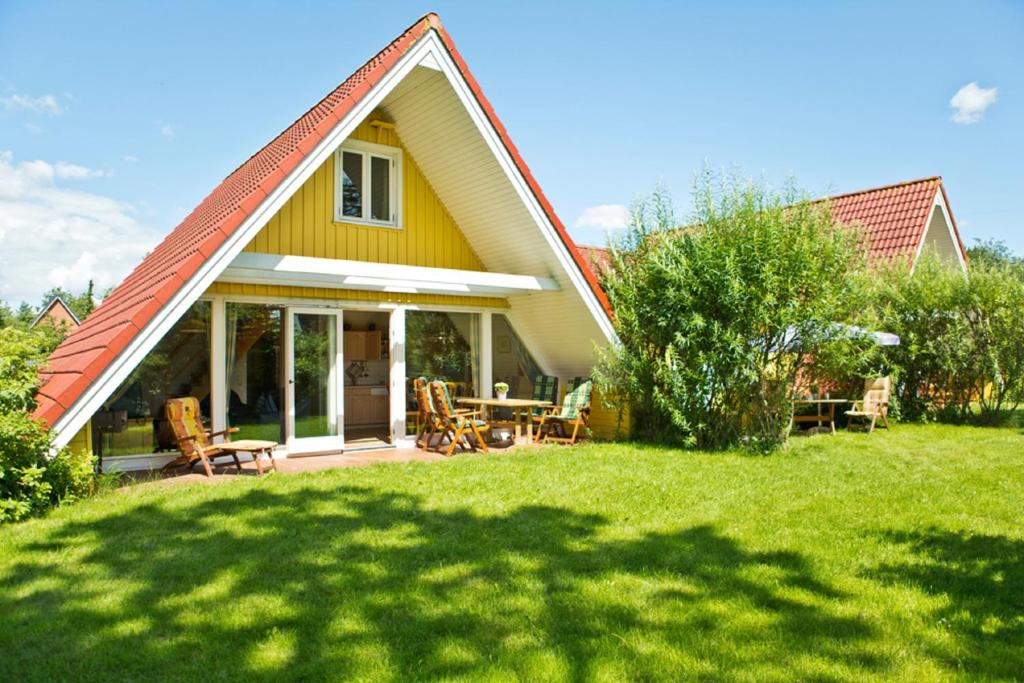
(31, 481)
(33, 477)
(960, 336)
(717, 321)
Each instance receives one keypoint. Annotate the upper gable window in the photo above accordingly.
(368, 184)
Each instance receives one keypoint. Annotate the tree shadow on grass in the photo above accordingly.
(980, 580)
(349, 582)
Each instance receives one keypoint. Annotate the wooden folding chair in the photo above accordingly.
(428, 416)
(874, 406)
(457, 425)
(575, 413)
(545, 388)
(195, 441)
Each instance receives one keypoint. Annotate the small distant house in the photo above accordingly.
(58, 313)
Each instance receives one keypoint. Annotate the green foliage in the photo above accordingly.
(960, 349)
(719, 320)
(31, 480)
(21, 353)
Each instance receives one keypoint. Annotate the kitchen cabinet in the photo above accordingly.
(359, 345)
(366, 406)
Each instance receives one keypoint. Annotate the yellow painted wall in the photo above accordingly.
(284, 291)
(429, 237)
(82, 441)
(604, 422)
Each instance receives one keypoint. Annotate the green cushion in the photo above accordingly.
(576, 400)
(545, 388)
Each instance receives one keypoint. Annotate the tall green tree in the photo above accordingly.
(717, 321)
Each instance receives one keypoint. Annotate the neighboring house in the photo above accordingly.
(899, 220)
(58, 313)
(392, 230)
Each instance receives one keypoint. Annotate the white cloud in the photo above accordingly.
(167, 130)
(54, 235)
(47, 104)
(130, 158)
(603, 217)
(970, 102)
(33, 128)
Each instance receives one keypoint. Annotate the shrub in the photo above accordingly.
(718, 320)
(31, 481)
(33, 477)
(960, 336)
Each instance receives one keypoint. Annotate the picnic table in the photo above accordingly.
(520, 407)
(821, 404)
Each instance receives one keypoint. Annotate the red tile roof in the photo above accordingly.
(894, 218)
(90, 349)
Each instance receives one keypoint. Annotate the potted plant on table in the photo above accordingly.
(501, 390)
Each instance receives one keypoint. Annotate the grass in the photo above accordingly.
(895, 556)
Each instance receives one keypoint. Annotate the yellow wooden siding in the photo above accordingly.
(285, 292)
(429, 237)
(605, 422)
(82, 441)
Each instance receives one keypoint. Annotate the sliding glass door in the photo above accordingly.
(314, 415)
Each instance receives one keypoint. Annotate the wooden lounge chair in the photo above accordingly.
(457, 426)
(195, 441)
(575, 412)
(874, 406)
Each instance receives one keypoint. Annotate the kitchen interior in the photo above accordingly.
(366, 375)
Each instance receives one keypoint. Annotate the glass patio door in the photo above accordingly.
(314, 419)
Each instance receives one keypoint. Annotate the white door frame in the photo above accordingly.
(336, 396)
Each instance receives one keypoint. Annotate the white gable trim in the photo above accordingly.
(939, 205)
(430, 51)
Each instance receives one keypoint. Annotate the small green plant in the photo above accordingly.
(500, 388)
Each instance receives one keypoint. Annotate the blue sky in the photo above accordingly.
(116, 119)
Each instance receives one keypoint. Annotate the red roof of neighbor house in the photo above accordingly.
(90, 349)
(894, 218)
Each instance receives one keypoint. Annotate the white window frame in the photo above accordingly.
(368, 150)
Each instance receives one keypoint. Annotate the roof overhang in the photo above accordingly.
(307, 271)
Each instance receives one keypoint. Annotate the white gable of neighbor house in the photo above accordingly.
(445, 129)
(939, 236)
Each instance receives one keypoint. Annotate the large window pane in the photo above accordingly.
(352, 184)
(444, 346)
(380, 189)
(511, 360)
(254, 371)
(315, 340)
(178, 366)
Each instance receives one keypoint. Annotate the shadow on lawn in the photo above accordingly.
(336, 583)
(981, 578)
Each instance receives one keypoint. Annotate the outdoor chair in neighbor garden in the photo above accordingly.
(874, 406)
(464, 429)
(195, 441)
(575, 413)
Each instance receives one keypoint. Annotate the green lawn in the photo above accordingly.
(890, 556)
